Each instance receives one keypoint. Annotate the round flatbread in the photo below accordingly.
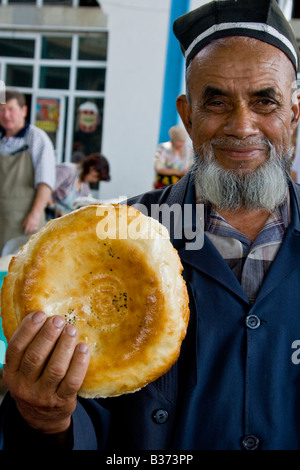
(114, 274)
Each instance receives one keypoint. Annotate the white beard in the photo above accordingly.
(263, 188)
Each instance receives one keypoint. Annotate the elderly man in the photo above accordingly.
(236, 383)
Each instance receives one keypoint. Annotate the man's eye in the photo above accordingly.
(266, 102)
(266, 105)
(217, 106)
(215, 103)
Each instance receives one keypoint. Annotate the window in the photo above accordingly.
(90, 79)
(63, 77)
(88, 3)
(16, 48)
(54, 77)
(22, 1)
(93, 47)
(19, 75)
(56, 47)
(62, 3)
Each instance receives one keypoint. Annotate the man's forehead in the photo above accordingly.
(10, 102)
(253, 46)
(13, 104)
(244, 55)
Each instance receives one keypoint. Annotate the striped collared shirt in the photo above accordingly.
(249, 261)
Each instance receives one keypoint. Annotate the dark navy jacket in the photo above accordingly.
(236, 384)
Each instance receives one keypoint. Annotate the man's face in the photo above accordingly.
(12, 116)
(240, 95)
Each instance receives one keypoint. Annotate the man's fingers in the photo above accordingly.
(76, 372)
(60, 359)
(45, 352)
(37, 354)
(21, 339)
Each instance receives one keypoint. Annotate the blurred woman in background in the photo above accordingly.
(172, 159)
(73, 181)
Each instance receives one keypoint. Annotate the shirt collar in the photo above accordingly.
(19, 134)
(278, 221)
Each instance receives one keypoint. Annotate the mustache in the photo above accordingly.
(238, 143)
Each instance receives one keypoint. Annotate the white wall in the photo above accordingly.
(138, 34)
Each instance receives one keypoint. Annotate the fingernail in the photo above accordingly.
(38, 317)
(71, 330)
(82, 347)
(58, 322)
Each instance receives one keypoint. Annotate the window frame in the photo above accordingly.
(71, 93)
(38, 3)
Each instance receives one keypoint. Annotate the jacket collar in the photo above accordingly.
(295, 204)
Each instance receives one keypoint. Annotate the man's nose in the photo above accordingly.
(241, 123)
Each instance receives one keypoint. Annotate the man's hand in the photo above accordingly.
(44, 370)
(32, 222)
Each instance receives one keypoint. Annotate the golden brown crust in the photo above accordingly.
(114, 274)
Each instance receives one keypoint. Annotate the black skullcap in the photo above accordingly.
(259, 19)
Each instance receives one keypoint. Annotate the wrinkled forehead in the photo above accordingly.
(248, 54)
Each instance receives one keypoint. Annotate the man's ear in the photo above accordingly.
(185, 112)
(25, 110)
(295, 111)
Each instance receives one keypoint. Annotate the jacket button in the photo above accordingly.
(250, 442)
(160, 416)
(252, 322)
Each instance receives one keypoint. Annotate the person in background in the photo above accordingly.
(172, 159)
(88, 128)
(27, 170)
(72, 181)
